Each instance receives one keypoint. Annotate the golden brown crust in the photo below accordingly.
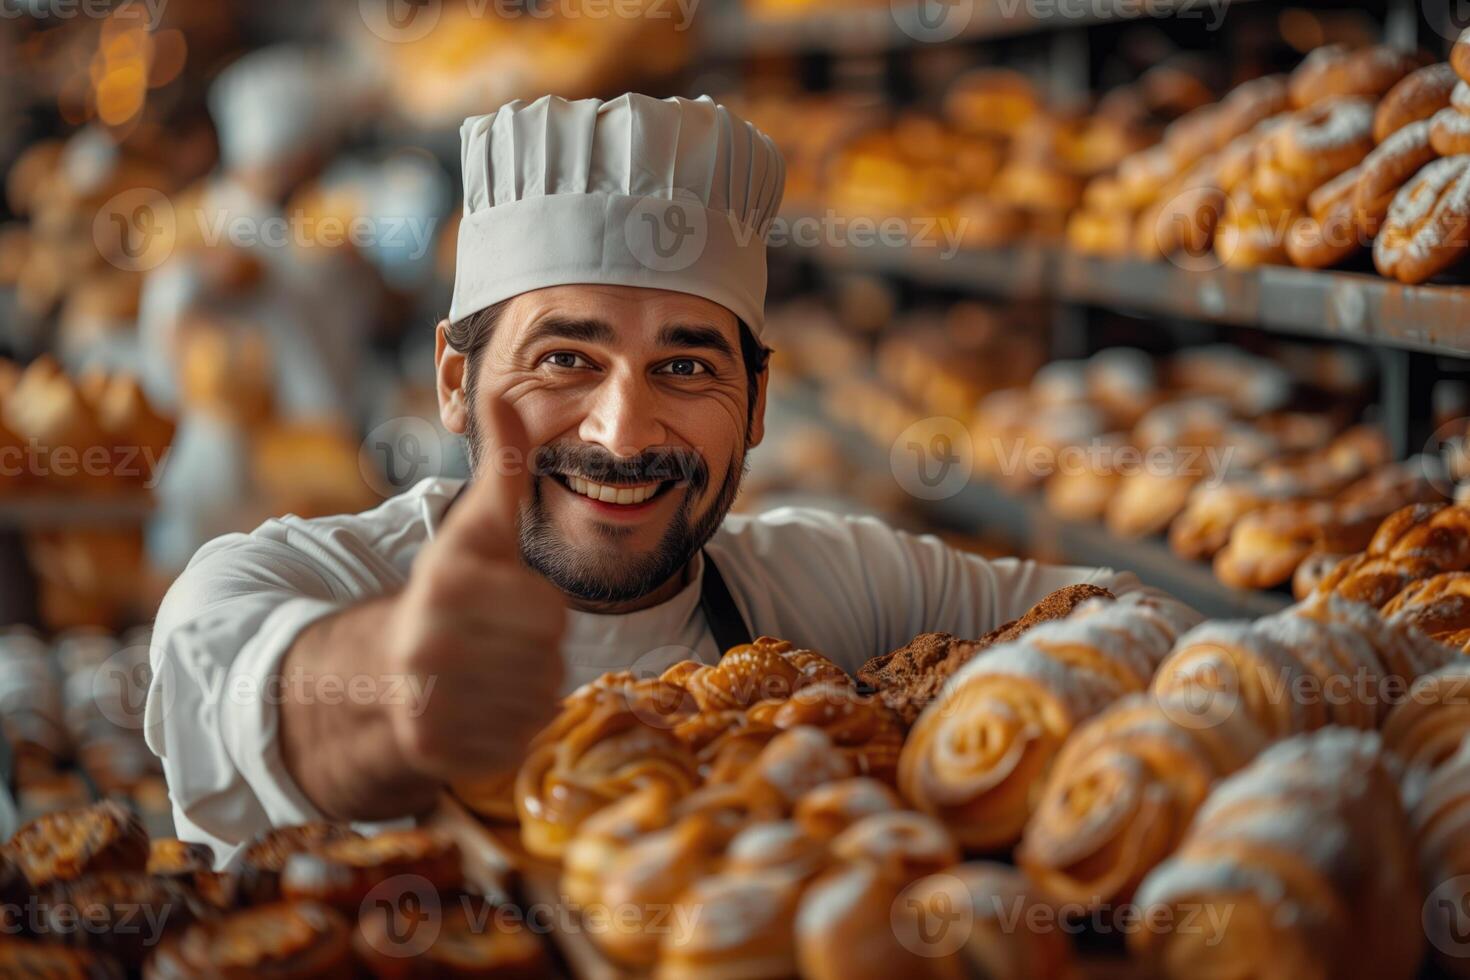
(65, 845)
(265, 858)
(283, 940)
(1426, 228)
(473, 941)
(341, 873)
(1418, 95)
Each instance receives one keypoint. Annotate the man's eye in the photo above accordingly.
(684, 367)
(565, 359)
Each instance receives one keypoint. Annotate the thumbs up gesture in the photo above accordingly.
(479, 625)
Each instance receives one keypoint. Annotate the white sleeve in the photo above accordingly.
(214, 699)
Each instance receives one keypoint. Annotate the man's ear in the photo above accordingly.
(758, 417)
(449, 377)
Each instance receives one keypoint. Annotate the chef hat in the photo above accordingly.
(667, 194)
(273, 103)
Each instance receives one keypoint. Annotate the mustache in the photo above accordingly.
(600, 466)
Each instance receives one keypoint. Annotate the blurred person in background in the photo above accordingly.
(603, 359)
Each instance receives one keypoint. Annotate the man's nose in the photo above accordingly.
(622, 416)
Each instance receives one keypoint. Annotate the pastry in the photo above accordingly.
(862, 728)
(909, 679)
(856, 925)
(1460, 55)
(1332, 71)
(1345, 674)
(776, 845)
(1429, 724)
(1425, 230)
(68, 844)
(341, 873)
(744, 929)
(759, 671)
(1404, 652)
(261, 864)
(172, 858)
(125, 913)
(641, 885)
(1417, 96)
(1384, 171)
(285, 940)
(977, 757)
(828, 810)
(1204, 526)
(901, 844)
(1236, 663)
(1313, 571)
(791, 765)
(1266, 545)
(606, 754)
(1123, 792)
(1303, 848)
(471, 940)
(1330, 230)
(1449, 131)
(606, 834)
(1320, 142)
(21, 958)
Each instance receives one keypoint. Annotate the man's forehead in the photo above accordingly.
(633, 312)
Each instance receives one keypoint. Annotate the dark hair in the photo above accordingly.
(471, 335)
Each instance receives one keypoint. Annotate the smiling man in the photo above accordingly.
(603, 359)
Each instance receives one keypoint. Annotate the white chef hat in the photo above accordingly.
(276, 102)
(669, 194)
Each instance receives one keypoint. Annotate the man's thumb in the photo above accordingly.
(488, 509)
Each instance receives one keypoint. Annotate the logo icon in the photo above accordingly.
(135, 230)
(399, 453)
(1446, 916)
(935, 922)
(933, 21)
(120, 687)
(1210, 697)
(667, 235)
(401, 916)
(400, 21)
(933, 458)
(1446, 455)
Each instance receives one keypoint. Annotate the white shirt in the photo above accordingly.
(849, 587)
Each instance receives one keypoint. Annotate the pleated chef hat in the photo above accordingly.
(668, 194)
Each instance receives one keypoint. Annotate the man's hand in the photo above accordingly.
(481, 624)
(474, 621)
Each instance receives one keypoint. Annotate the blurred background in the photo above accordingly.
(227, 231)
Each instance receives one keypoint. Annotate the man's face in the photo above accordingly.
(636, 403)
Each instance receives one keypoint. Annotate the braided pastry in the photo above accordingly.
(68, 844)
(759, 671)
(1419, 95)
(1374, 581)
(1314, 571)
(1299, 865)
(284, 939)
(608, 753)
(1437, 606)
(976, 759)
(1444, 539)
(1123, 791)
(862, 728)
(1425, 230)
(1427, 727)
(855, 924)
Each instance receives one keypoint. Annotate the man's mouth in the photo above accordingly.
(624, 494)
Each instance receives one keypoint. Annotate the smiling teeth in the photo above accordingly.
(612, 495)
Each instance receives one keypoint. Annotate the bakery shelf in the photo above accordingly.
(900, 24)
(1351, 306)
(46, 513)
(1025, 521)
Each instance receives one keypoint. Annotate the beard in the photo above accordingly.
(603, 569)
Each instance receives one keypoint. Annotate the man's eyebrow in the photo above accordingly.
(682, 335)
(569, 328)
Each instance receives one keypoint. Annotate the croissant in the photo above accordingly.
(1428, 725)
(1237, 665)
(976, 757)
(1439, 812)
(1123, 791)
(828, 810)
(607, 754)
(1299, 865)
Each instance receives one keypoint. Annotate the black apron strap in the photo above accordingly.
(720, 611)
